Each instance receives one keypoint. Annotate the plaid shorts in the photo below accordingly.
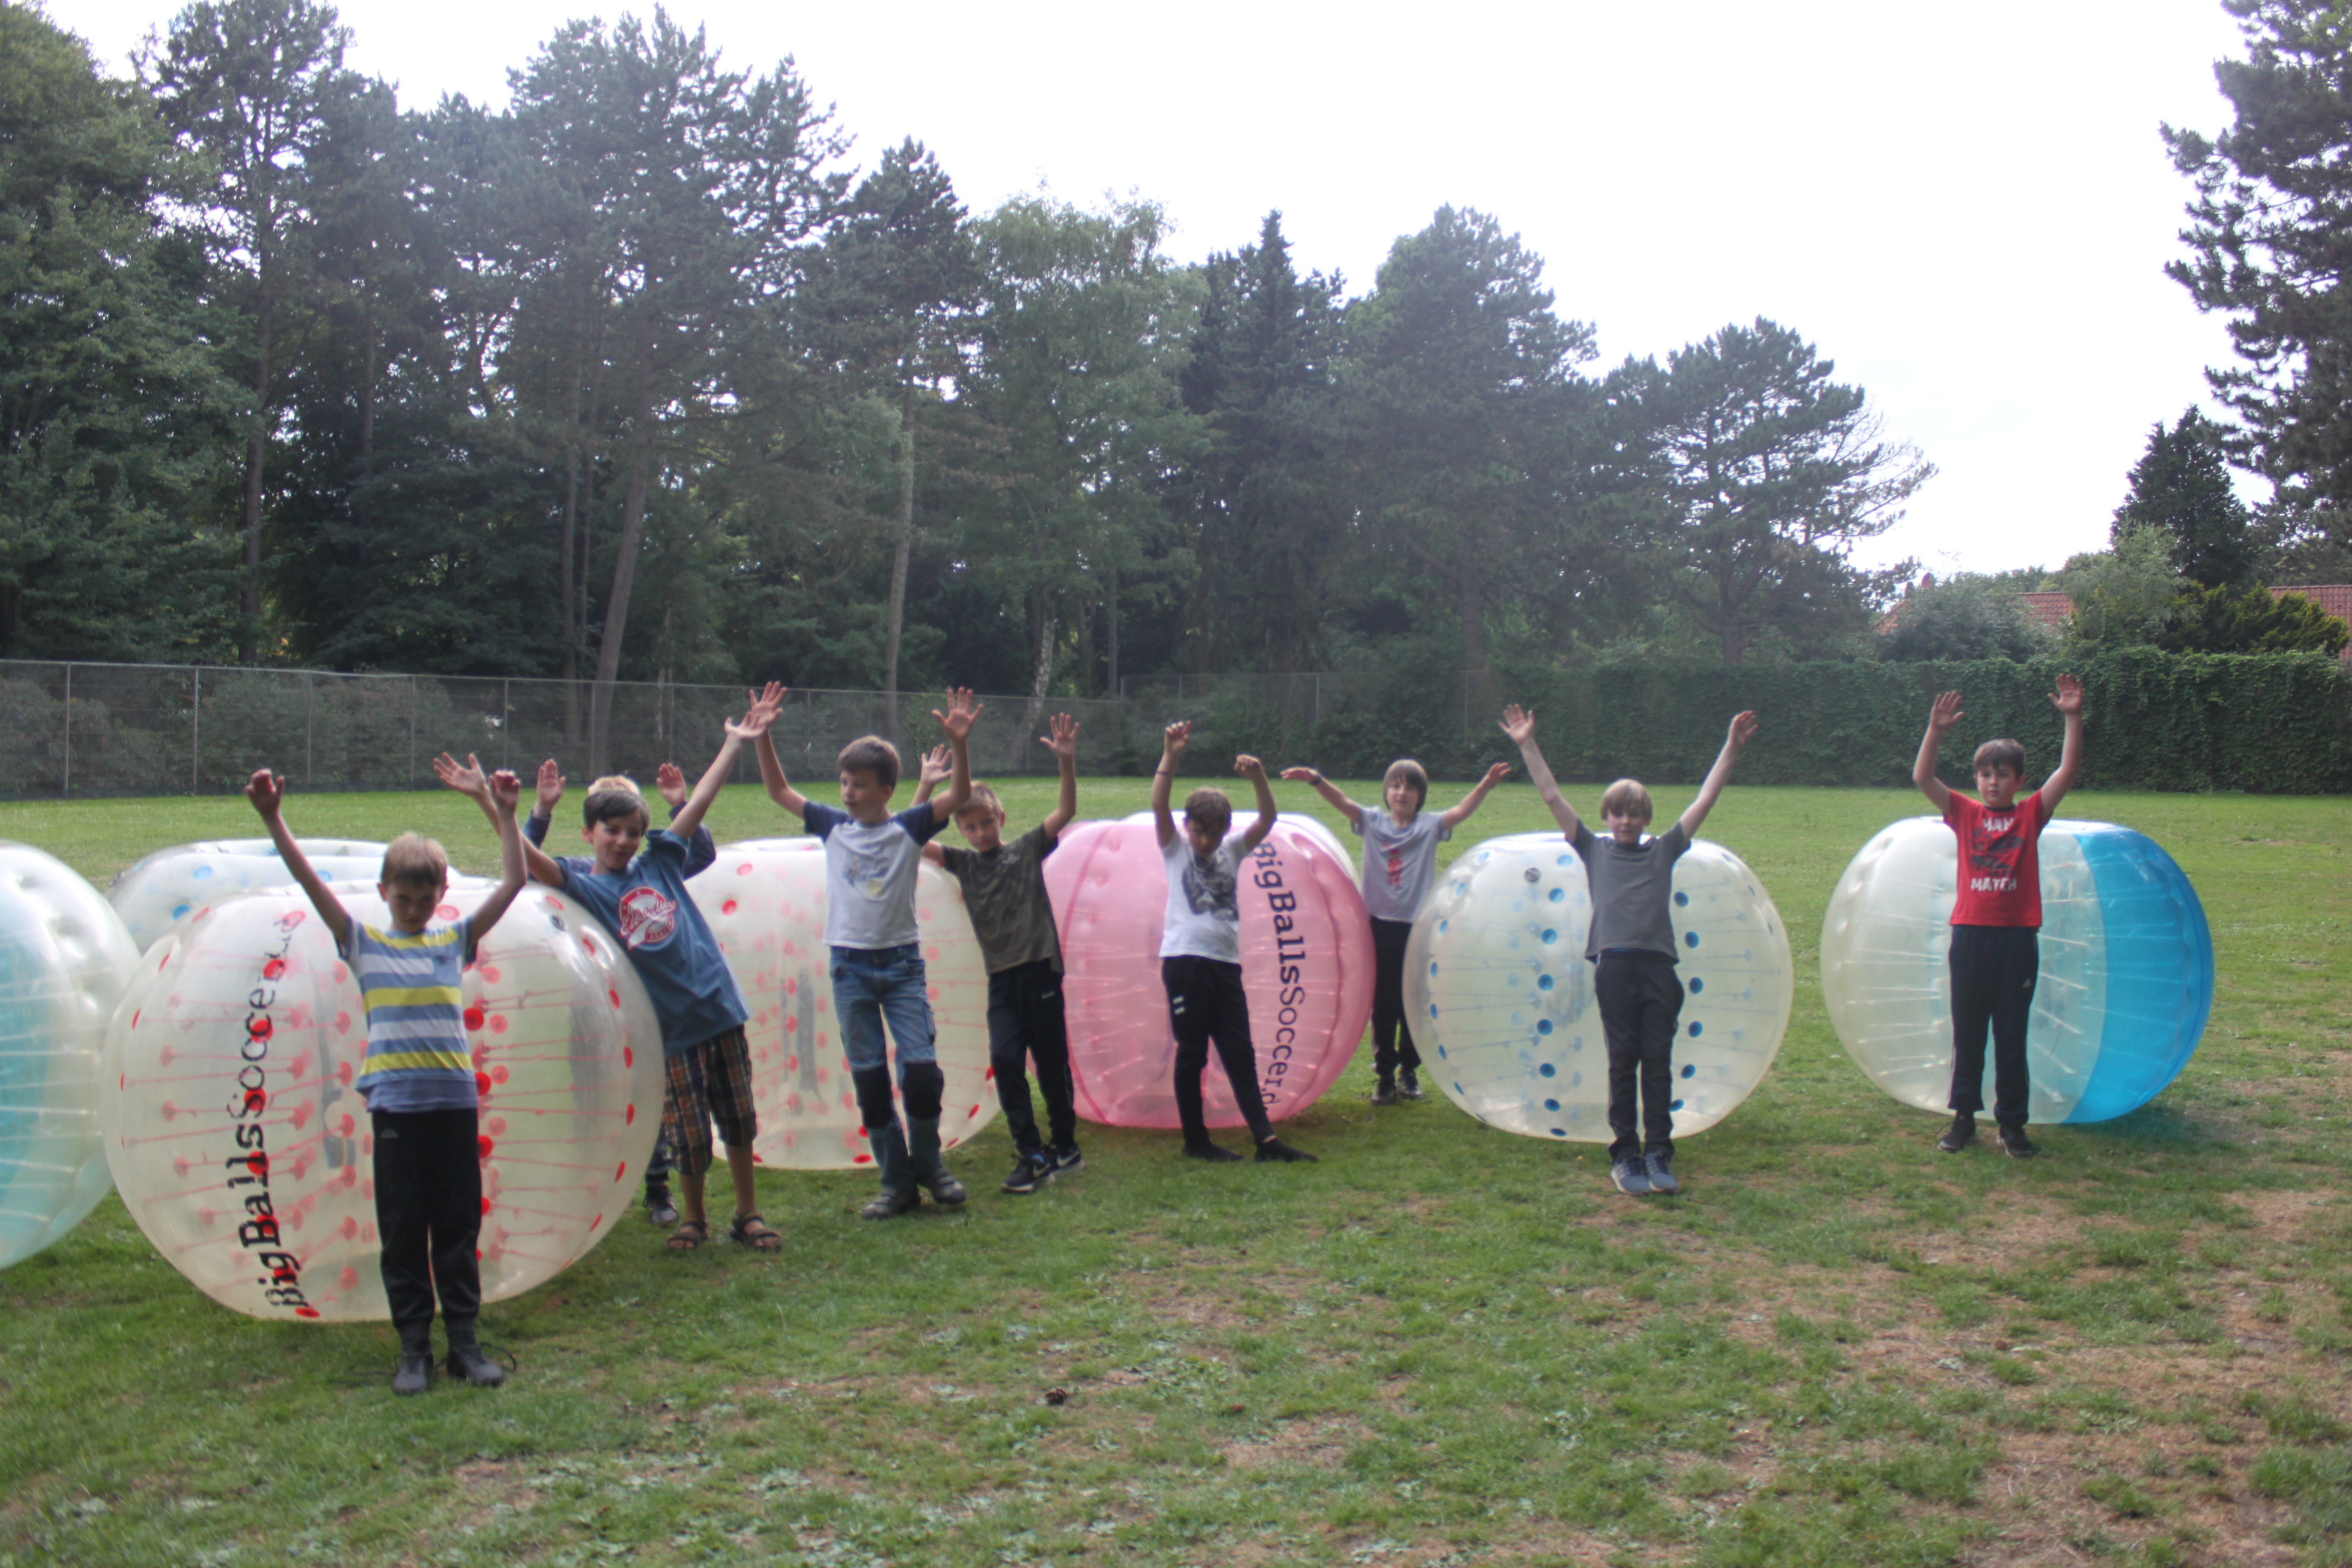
(708, 1081)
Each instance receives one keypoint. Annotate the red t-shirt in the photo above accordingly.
(2000, 861)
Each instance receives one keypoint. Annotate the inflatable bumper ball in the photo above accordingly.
(765, 901)
(64, 961)
(189, 878)
(242, 1150)
(1501, 1000)
(1306, 963)
(2126, 969)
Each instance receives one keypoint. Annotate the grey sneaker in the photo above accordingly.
(1662, 1175)
(1960, 1134)
(1631, 1174)
(414, 1373)
(1408, 1085)
(891, 1203)
(945, 1189)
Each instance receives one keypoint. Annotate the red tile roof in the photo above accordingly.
(2054, 610)
(2336, 599)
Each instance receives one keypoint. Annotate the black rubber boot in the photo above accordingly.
(930, 1172)
(898, 1196)
(414, 1373)
(465, 1357)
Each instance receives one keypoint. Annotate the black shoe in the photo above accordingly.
(1273, 1151)
(1028, 1171)
(1064, 1158)
(1631, 1174)
(414, 1373)
(1960, 1134)
(466, 1361)
(1409, 1085)
(1662, 1173)
(1384, 1094)
(1213, 1153)
(891, 1203)
(659, 1209)
(2014, 1143)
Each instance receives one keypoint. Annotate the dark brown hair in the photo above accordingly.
(872, 755)
(1210, 809)
(2003, 753)
(611, 798)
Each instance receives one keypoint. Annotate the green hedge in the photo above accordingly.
(2279, 723)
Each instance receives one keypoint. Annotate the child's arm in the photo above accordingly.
(506, 790)
(1520, 726)
(956, 721)
(753, 726)
(268, 793)
(1462, 808)
(701, 851)
(1743, 730)
(469, 779)
(1172, 742)
(1940, 718)
(771, 768)
(1331, 792)
(1062, 739)
(1250, 768)
(2068, 700)
(937, 767)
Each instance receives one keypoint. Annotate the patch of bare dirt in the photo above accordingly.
(1320, 1442)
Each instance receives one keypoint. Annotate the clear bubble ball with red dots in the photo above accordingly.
(764, 900)
(241, 1148)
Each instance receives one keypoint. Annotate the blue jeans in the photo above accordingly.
(870, 985)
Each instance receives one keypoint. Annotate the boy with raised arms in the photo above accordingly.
(417, 1078)
(1996, 956)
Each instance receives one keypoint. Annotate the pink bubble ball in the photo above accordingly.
(242, 1150)
(1307, 968)
(764, 900)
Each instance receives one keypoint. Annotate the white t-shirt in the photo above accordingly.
(1399, 862)
(1204, 912)
(869, 873)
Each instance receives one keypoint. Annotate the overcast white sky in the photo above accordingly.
(1967, 208)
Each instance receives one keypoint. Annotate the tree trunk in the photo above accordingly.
(364, 509)
(625, 572)
(895, 621)
(566, 570)
(1042, 675)
(1110, 633)
(256, 452)
(1473, 629)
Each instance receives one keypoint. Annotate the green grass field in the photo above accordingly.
(1441, 1344)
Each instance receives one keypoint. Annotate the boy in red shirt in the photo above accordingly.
(1996, 953)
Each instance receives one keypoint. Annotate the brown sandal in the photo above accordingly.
(752, 1231)
(689, 1234)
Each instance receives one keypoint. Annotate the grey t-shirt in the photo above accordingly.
(1004, 893)
(1399, 862)
(1632, 889)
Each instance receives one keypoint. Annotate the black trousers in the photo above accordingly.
(1994, 969)
(1025, 1022)
(1641, 999)
(428, 1216)
(1206, 1005)
(1392, 1036)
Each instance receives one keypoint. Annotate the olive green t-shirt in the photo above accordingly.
(1005, 892)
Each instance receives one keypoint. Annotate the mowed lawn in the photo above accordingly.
(1441, 1344)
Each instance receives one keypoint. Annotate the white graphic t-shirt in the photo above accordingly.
(869, 874)
(1204, 915)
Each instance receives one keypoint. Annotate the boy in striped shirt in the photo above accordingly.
(417, 1079)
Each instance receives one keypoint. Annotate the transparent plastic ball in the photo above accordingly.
(242, 1150)
(65, 960)
(1501, 1002)
(764, 900)
(2126, 977)
(187, 878)
(1307, 966)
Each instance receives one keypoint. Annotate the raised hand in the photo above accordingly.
(1743, 730)
(938, 766)
(670, 785)
(267, 791)
(1176, 737)
(1300, 775)
(466, 779)
(1249, 767)
(768, 699)
(550, 788)
(752, 725)
(1495, 774)
(1518, 724)
(1946, 712)
(2068, 697)
(961, 712)
(507, 790)
(1062, 736)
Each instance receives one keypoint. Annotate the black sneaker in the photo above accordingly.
(1384, 1094)
(414, 1373)
(1214, 1153)
(1064, 1158)
(469, 1362)
(1662, 1173)
(1274, 1152)
(1960, 1134)
(1631, 1174)
(2014, 1143)
(890, 1203)
(1028, 1171)
(659, 1208)
(1409, 1085)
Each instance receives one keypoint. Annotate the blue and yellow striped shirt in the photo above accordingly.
(416, 1057)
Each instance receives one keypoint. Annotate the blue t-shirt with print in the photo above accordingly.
(869, 874)
(649, 912)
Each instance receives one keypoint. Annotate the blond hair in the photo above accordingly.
(416, 860)
(615, 796)
(1626, 798)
